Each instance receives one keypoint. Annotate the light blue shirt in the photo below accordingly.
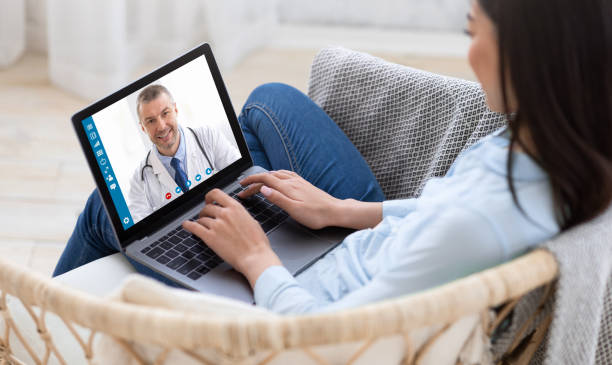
(180, 154)
(462, 223)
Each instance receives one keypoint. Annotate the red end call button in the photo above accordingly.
(168, 196)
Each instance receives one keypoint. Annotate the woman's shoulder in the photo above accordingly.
(523, 222)
(526, 220)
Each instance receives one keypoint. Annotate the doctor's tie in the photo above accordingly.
(179, 174)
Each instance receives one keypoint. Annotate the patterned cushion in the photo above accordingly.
(408, 124)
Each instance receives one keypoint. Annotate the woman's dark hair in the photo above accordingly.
(557, 56)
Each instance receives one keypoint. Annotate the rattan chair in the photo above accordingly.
(409, 125)
(233, 340)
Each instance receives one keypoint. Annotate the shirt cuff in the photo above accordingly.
(398, 208)
(268, 284)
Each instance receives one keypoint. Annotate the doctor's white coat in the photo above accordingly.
(152, 187)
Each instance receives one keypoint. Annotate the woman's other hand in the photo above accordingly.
(229, 230)
(304, 202)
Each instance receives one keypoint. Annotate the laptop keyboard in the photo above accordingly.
(188, 255)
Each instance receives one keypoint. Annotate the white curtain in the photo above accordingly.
(429, 15)
(95, 47)
(12, 31)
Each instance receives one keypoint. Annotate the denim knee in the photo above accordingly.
(93, 208)
(273, 92)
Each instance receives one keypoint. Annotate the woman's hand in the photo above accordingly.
(306, 203)
(229, 230)
(310, 205)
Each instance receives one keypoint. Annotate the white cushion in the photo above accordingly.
(138, 289)
(99, 277)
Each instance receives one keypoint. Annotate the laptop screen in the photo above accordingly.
(157, 143)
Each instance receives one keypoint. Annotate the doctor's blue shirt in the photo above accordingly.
(462, 223)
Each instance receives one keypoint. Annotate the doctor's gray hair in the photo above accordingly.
(149, 94)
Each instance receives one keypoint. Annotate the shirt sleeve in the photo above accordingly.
(447, 246)
(224, 152)
(398, 208)
(277, 290)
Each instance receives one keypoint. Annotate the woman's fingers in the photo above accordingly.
(256, 186)
(251, 190)
(219, 197)
(210, 210)
(206, 222)
(277, 198)
(198, 228)
(263, 178)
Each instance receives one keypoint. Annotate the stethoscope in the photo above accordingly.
(199, 145)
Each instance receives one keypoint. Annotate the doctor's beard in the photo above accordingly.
(164, 146)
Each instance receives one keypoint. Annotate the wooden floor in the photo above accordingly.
(45, 180)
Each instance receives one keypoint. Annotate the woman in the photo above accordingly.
(546, 66)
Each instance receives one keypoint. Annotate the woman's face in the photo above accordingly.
(484, 58)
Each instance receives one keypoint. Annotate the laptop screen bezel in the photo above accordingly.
(194, 196)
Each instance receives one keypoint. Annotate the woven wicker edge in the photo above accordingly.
(441, 305)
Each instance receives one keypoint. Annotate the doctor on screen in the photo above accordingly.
(180, 157)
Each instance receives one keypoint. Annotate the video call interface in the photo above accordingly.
(161, 141)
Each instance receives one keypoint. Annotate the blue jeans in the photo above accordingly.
(283, 129)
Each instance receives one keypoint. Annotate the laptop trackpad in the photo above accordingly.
(297, 247)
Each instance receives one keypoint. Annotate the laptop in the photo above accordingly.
(147, 218)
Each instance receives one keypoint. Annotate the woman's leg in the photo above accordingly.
(284, 129)
(93, 238)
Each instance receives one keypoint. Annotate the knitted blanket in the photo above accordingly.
(410, 125)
